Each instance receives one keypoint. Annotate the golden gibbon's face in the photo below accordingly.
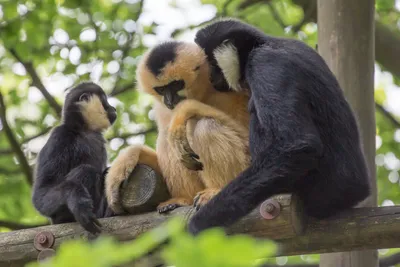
(168, 72)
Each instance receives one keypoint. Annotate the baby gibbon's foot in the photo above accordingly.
(204, 196)
(180, 143)
(172, 204)
(191, 161)
(188, 157)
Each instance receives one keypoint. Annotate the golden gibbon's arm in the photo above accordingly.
(177, 132)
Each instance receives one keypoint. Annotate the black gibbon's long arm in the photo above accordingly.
(304, 137)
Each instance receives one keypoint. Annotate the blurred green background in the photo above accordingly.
(47, 46)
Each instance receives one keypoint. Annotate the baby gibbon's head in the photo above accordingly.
(173, 71)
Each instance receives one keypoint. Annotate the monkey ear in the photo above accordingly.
(84, 97)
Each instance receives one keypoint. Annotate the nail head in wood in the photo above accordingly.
(270, 209)
(43, 240)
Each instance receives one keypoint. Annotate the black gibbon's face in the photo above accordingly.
(92, 103)
(97, 103)
(171, 72)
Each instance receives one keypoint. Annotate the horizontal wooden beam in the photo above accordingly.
(279, 218)
(18, 247)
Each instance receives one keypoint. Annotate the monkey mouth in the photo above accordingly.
(171, 103)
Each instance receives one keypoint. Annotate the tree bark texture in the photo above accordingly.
(346, 42)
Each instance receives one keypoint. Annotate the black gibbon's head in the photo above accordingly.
(173, 71)
(227, 44)
(86, 106)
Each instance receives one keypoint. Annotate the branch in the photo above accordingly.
(119, 90)
(19, 226)
(26, 169)
(37, 82)
(125, 136)
(39, 134)
(9, 172)
(247, 3)
(225, 7)
(387, 114)
(387, 40)
(125, 51)
(26, 140)
(276, 15)
(308, 12)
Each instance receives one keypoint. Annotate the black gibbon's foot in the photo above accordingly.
(203, 197)
(167, 208)
(89, 222)
(84, 215)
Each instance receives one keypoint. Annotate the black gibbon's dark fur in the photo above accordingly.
(303, 134)
(70, 171)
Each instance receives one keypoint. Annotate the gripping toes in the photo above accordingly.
(85, 216)
(172, 204)
(203, 197)
(191, 161)
(189, 158)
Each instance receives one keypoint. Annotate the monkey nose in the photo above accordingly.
(112, 116)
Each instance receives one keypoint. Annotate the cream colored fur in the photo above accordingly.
(94, 114)
(228, 60)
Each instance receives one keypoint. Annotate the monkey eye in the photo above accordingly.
(84, 97)
(196, 68)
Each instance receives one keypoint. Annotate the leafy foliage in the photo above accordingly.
(65, 42)
(210, 248)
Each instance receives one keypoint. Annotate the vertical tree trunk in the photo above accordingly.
(346, 42)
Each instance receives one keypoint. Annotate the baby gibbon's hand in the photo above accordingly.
(180, 144)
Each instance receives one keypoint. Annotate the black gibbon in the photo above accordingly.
(71, 167)
(304, 137)
(202, 140)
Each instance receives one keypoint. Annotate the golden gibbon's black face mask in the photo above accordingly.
(170, 93)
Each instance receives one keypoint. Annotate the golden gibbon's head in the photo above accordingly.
(173, 71)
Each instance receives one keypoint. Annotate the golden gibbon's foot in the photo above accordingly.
(204, 196)
(172, 204)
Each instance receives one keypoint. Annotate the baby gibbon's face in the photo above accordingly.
(169, 71)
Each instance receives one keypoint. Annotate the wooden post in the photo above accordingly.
(346, 42)
(143, 190)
